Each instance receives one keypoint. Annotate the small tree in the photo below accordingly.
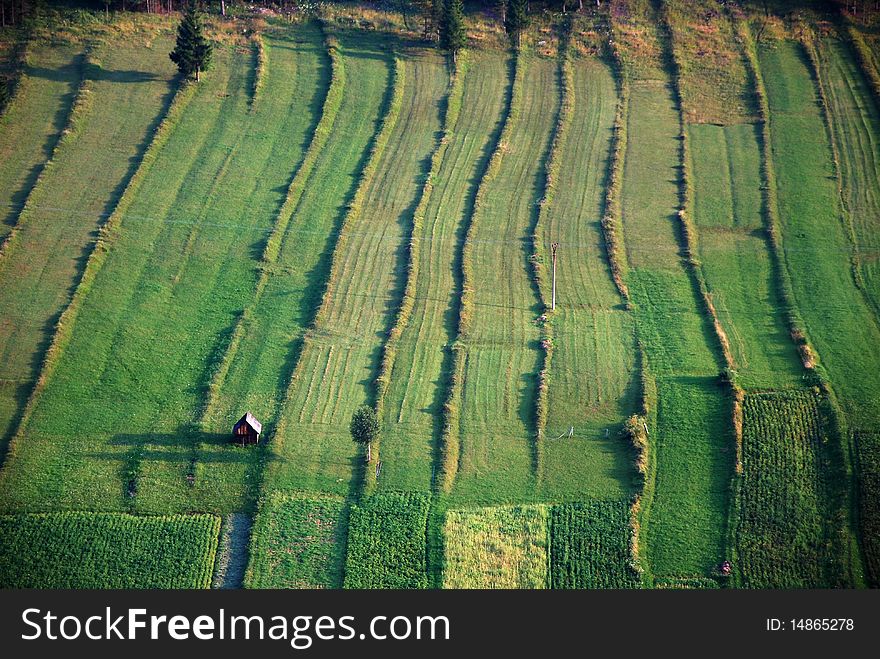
(516, 19)
(453, 36)
(364, 427)
(192, 53)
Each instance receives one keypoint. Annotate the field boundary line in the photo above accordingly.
(450, 442)
(295, 191)
(261, 63)
(455, 91)
(98, 255)
(380, 142)
(79, 106)
(561, 129)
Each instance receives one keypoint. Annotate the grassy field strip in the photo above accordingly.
(499, 331)
(787, 503)
(815, 246)
(685, 530)
(33, 121)
(107, 550)
(340, 357)
(505, 547)
(42, 261)
(257, 372)
(855, 121)
(735, 257)
(147, 336)
(592, 381)
(687, 417)
(591, 546)
(386, 541)
(420, 374)
(298, 541)
(867, 52)
(30, 129)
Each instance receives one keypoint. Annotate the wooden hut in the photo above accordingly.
(247, 430)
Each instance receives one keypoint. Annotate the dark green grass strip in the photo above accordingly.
(787, 516)
(386, 542)
(107, 550)
(591, 546)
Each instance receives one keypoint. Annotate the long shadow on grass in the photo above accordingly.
(49, 328)
(67, 73)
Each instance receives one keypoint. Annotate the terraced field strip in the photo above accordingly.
(787, 503)
(855, 121)
(298, 542)
(257, 367)
(30, 128)
(685, 518)
(735, 257)
(817, 254)
(312, 447)
(503, 547)
(81, 550)
(42, 258)
(591, 545)
(386, 541)
(32, 122)
(118, 416)
(593, 379)
(418, 382)
(500, 337)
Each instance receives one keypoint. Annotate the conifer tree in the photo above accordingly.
(453, 36)
(192, 53)
(516, 19)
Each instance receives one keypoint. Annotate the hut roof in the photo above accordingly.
(251, 420)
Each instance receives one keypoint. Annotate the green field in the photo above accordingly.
(500, 338)
(837, 317)
(121, 92)
(340, 355)
(146, 313)
(855, 121)
(386, 542)
(590, 546)
(107, 550)
(503, 547)
(420, 377)
(338, 214)
(785, 507)
(298, 542)
(592, 377)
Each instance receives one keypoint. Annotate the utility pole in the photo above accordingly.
(554, 247)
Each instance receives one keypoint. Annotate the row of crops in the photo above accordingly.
(107, 550)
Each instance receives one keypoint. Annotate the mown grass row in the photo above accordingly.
(341, 354)
(107, 550)
(498, 457)
(33, 120)
(391, 346)
(414, 413)
(590, 385)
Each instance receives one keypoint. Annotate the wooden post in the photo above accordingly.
(554, 247)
